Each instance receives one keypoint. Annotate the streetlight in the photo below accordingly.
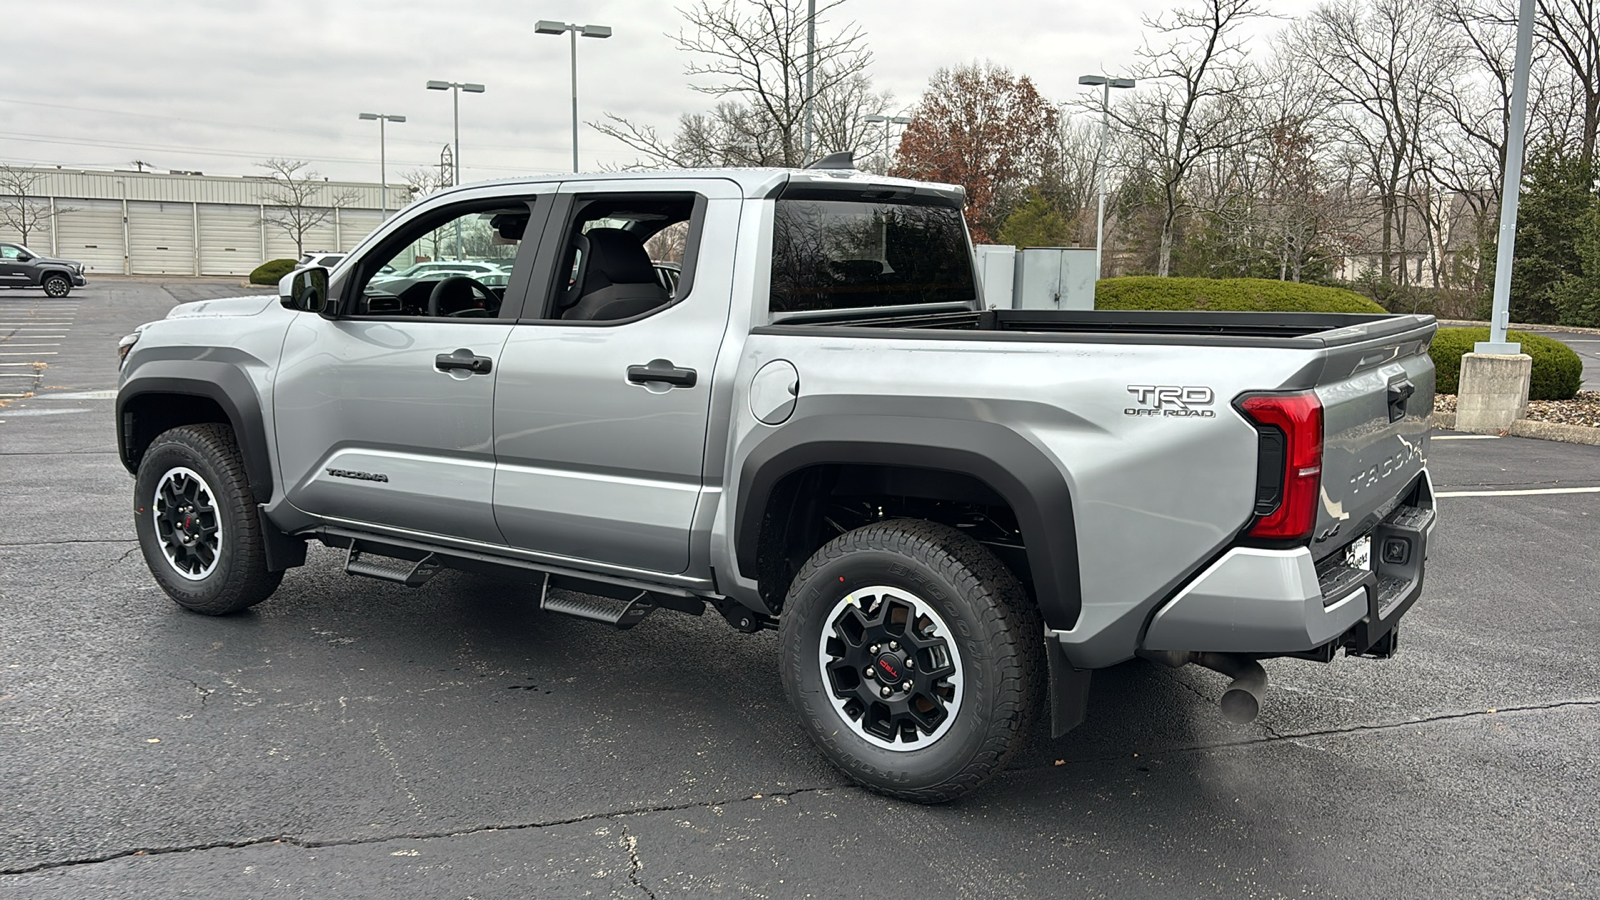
(1099, 156)
(546, 26)
(383, 174)
(888, 122)
(455, 90)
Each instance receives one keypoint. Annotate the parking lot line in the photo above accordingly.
(1466, 437)
(1522, 493)
(44, 353)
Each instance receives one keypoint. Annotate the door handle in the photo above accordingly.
(1399, 393)
(463, 359)
(663, 371)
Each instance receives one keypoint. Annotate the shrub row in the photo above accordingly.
(1227, 295)
(1557, 368)
(270, 271)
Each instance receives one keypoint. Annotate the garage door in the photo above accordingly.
(90, 232)
(280, 242)
(160, 238)
(230, 239)
(355, 225)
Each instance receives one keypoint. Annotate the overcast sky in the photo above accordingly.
(217, 85)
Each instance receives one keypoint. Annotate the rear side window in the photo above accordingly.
(847, 254)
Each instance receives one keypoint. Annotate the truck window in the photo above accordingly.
(846, 254)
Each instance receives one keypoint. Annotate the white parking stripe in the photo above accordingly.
(1527, 493)
(41, 353)
(1466, 437)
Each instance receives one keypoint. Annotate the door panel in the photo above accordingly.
(359, 401)
(594, 466)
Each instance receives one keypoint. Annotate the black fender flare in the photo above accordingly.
(223, 383)
(1020, 472)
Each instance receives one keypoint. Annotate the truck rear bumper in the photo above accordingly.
(1272, 602)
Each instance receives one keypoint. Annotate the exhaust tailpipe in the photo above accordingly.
(1241, 702)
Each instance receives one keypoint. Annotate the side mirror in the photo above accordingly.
(26, 257)
(304, 289)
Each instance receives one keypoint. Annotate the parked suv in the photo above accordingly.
(951, 515)
(22, 268)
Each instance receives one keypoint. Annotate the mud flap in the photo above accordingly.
(1069, 690)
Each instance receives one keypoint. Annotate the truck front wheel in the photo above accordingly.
(197, 523)
(914, 657)
(57, 286)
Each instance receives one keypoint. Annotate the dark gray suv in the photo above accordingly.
(22, 268)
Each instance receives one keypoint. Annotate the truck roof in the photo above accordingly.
(755, 182)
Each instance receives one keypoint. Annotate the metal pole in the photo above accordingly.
(383, 173)
(1510, 189)
(811, 65)
(574, 33)
(455, 93)
(1100, 176)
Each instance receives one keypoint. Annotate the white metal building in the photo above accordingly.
(148, 223)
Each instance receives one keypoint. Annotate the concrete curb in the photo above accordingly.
(1468, 323)
(1529, 428)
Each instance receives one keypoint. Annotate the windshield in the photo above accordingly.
(847, 254)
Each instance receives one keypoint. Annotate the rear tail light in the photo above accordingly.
(1289, 467)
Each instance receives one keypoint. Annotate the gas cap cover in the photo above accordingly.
(773, 392)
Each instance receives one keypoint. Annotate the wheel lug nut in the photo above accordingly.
(905, 686)
(894, 645)
(884, 692)
(911, 663)
(874, 648)
(871, 672)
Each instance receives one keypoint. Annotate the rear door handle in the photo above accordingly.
(463, 359)
(664, 372)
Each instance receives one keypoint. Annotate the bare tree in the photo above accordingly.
(421, 182)
(1191, 83)
(1379, 63)
(751, 56)
(1571, 28)
(21, 208)
(299, 199)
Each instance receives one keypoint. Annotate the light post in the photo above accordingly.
(546, 26)
(1510, 191)
(888, 122)
(383, 173)
(455, 90)
(1099, 157)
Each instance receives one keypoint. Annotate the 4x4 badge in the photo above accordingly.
(1178, 401)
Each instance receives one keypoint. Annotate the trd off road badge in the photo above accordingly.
(1171, 401)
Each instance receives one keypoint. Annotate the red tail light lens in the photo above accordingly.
(1289, 482)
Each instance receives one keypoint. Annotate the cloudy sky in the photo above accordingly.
(218, 85)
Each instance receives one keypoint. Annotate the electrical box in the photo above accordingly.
(1054, 278)
(997, 271)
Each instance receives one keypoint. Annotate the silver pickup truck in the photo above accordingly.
(778, 393)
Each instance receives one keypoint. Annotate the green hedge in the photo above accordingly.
(270, 271)
(1557, 369)
(1226, 295)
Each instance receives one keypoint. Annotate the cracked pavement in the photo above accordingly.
(355, 738)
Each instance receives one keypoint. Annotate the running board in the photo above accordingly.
(598, 610)
(409, 573)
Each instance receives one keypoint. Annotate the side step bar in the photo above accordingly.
(409, 573)
(630, 614)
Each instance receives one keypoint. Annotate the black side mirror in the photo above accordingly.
(304, 289)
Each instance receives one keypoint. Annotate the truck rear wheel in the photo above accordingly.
(197, 522)
(914, 657)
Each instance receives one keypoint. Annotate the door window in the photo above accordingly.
(625, 257)
(454, 264)
(10, 251)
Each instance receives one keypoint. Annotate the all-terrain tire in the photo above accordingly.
(56, 286)
(197, 522)
(989, 622)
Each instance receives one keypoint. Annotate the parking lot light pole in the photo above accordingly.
(455, 90)
(888, 122)
(1099, 157)
(546, 26)
(383, 173)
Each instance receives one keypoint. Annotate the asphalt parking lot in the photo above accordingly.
(355, 738)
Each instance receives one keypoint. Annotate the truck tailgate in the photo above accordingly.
(1377, 396)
